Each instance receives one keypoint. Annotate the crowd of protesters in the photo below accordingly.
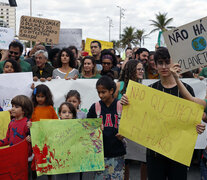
(105, 66)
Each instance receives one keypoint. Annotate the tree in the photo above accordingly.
(161, 22)
(140, 36)
(128, 36)
(117, 45)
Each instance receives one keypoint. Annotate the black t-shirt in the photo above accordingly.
(173, 91)
(113, 147)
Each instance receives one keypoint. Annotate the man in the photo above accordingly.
(96, 52)
(143, 55)
(75, 54)
(159, 166)
(42, 70)
(31, 59)
(15, 51)
(151, 71)
(128, 56)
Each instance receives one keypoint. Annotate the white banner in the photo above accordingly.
(70, 37)
(12, 84)
(19, 83)
(6, 37)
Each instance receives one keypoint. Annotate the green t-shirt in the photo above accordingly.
(97, 76)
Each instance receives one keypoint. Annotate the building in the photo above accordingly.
(7, 16)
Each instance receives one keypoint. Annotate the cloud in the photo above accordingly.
(91, 16)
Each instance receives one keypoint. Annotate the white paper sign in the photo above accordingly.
(187, 44)
(70, 37)
(13, 84)
(6, 37)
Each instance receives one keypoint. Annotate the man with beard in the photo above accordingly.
(96, 52)
(143, 55)
(14, 52)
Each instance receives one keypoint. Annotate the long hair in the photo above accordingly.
(46, 92)
(129, 73)
(94, 70)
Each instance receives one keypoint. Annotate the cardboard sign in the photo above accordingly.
(6, 37)
(104, 44)
(66, 146)
(161, 122)
(70, 37)
(39, 29)
(187, 44)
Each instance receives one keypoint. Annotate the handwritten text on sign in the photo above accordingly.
(187, 44)
(161, 122)
(39, 29)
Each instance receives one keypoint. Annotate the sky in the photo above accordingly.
(91, 15)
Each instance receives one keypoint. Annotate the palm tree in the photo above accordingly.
(128, 36)
(140, 36)
(161, 23)
(117, 45)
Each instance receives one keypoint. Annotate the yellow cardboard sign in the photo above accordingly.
(104, 45)
(161, 122)
(4, 122)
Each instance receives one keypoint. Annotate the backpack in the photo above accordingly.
(118, 109)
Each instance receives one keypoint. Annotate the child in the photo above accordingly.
(22, 109)
(73, 97)
(67, 111)
(114, 149)
(43, 104)
(11, 66)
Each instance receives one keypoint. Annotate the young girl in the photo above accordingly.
(114, 149)
(67, 111)
(18, 130)
(11, 66)
(43, 104)
(73, 97)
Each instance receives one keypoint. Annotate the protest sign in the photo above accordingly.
(67, 146)
(161, 122)
(13, 84)
(104, 44)
(39, 29)
(187, 44)
(70, 37)
(4, 122)
(6, 37)
(14, 162)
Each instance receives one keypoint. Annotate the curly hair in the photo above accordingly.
(129, 73)
(71, 56)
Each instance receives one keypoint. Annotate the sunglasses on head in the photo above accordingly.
(12, 52)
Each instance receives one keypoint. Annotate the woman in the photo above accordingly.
(66, 66)
(108, 61)
(89, 69)
(133, 70)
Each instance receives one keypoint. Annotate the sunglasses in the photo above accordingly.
(106, 63)
(12, 52)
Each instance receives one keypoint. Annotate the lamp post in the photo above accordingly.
(110, 25)
(120, 17)
(31, 16)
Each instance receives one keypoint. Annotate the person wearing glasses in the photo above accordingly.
(133, 70)
(14, 52)
(108, 61)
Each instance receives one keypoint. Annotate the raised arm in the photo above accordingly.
(175, 69)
